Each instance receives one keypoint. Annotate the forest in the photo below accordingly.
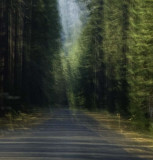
(102, 62)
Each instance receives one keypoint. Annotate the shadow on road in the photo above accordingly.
(67, 135)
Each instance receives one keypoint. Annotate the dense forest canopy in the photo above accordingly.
(30, 33)
(95, 54)
(109, 66)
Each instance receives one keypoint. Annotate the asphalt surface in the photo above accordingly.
(68, 135)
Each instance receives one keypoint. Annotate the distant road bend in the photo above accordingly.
(68, 135)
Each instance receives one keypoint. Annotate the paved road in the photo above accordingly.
(67, 135)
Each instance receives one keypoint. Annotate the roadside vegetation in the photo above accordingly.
(106, 65)
(23, 120)
(110, 66)
(125, 127)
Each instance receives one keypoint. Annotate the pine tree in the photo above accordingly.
(139, 58)
(44, 44)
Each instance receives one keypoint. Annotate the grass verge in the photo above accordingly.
(23, 120)
(124, 127)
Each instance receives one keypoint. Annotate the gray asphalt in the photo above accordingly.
(68, 135)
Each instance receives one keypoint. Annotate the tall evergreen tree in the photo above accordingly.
(29, 34)
(139, 65)
(113, 66)
(44, 44)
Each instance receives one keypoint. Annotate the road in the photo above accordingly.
(68, 135)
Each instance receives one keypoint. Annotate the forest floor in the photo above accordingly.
(23, 120)
(125, 128)
(66, 134)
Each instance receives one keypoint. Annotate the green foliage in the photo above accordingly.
(31, 31)
(139, 60)
(44, 45)
(108, 67)
(87, 73)
(113, 66)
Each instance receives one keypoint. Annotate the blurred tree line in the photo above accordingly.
(111, 64)
(29, 41)
(108, 67)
